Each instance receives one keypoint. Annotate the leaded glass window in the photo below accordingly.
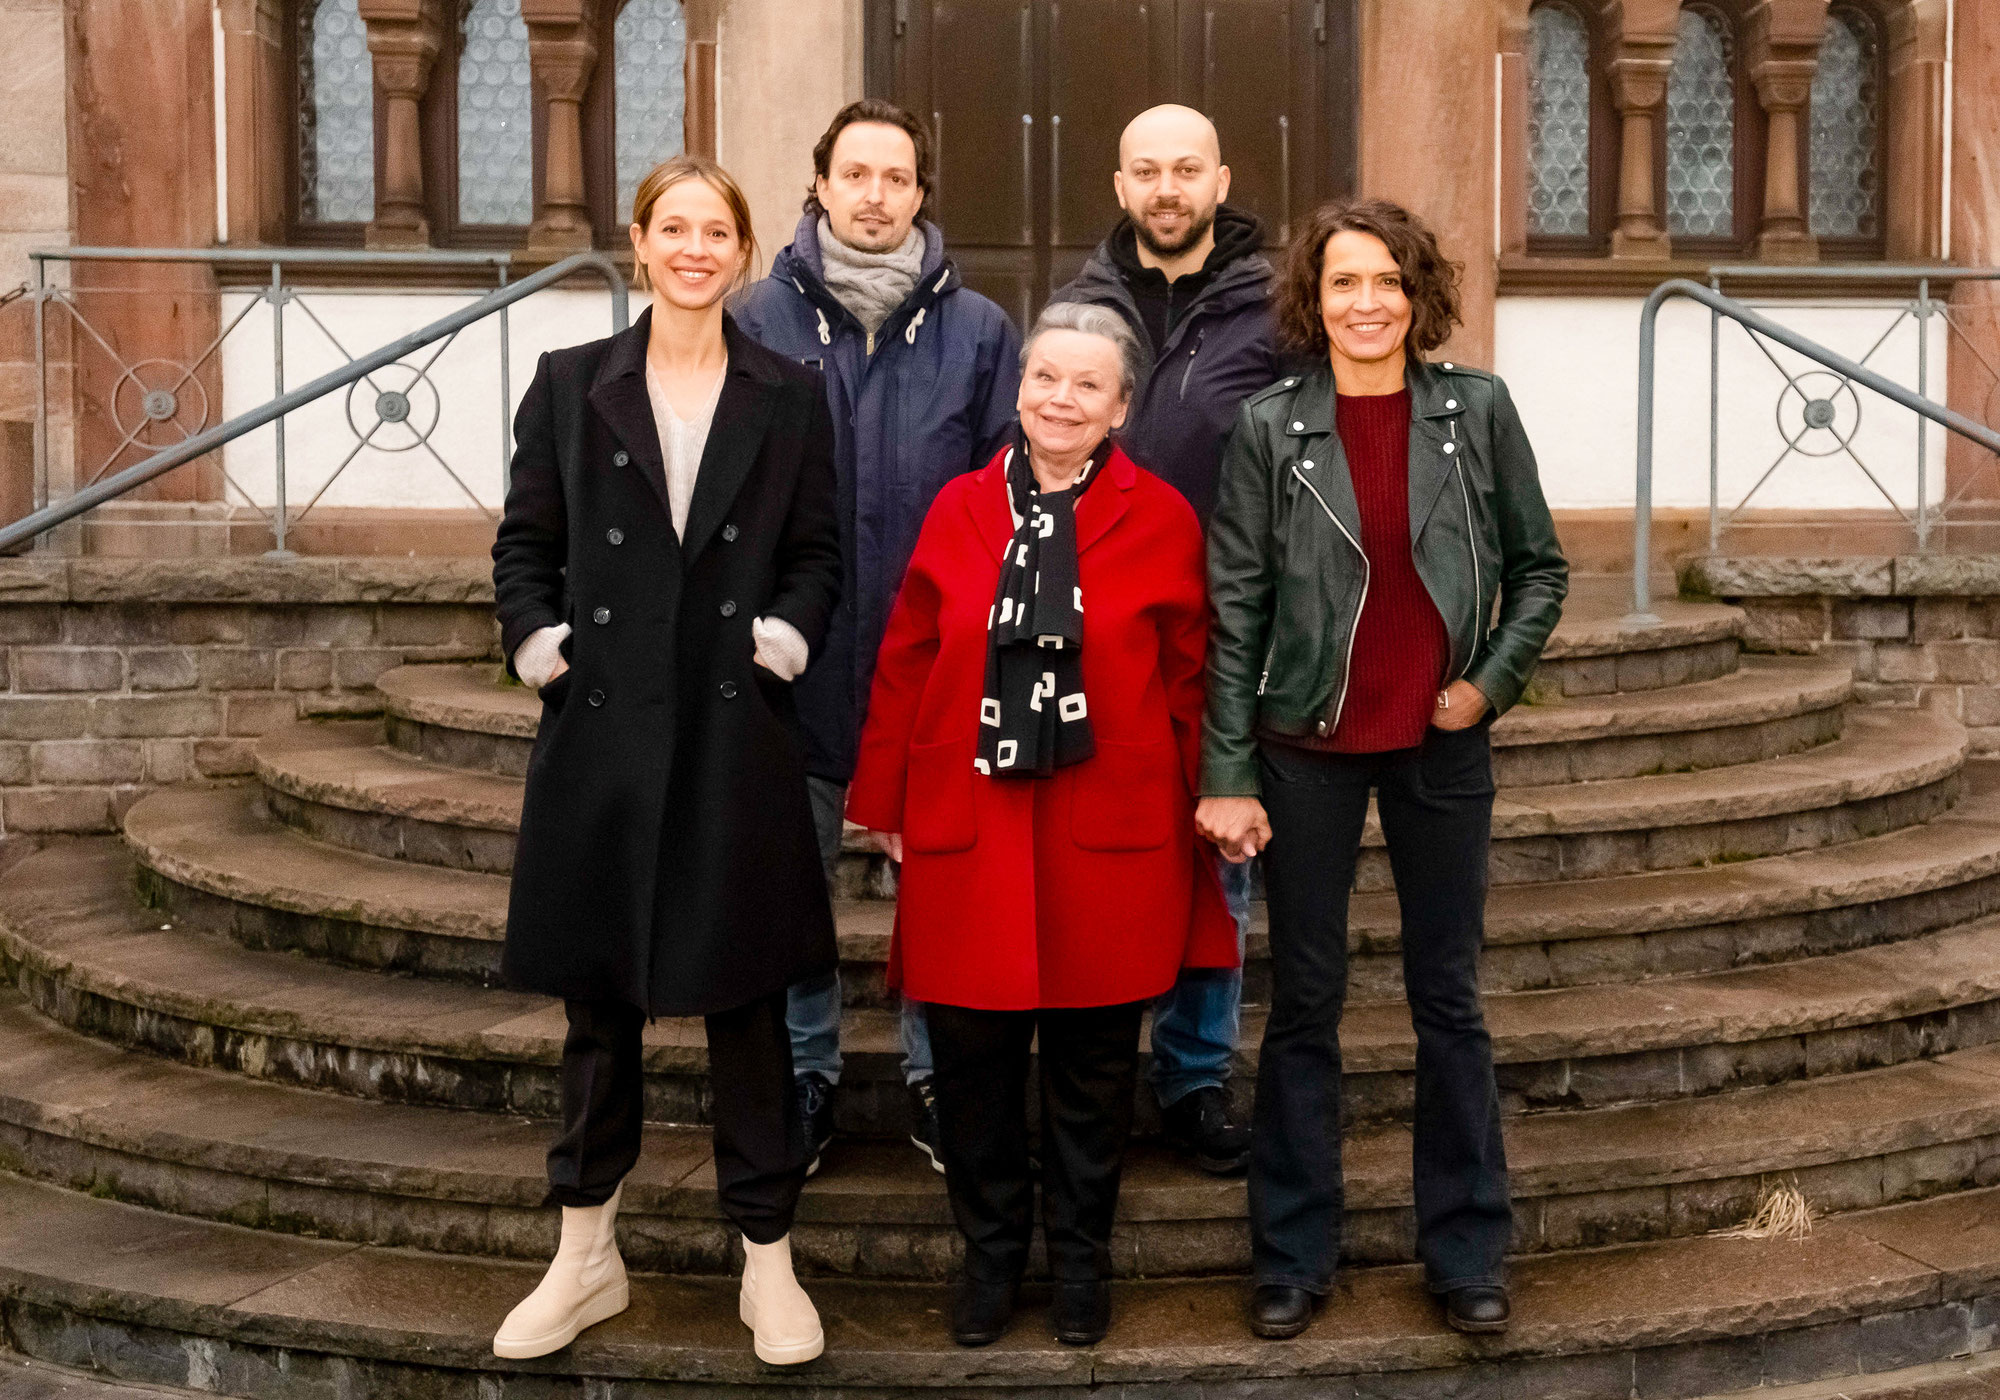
(495, 116)
(1845, 191)
(1558, 123)
(650, 40)
(336, 115)
(1701, 129)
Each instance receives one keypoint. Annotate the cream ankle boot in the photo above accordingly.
(585, 1284)
(775, 1309)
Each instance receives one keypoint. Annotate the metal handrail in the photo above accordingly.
(332, 257)
(1642, 522)
(165, 460)
(1849, 272)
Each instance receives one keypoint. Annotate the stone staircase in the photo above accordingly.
(1741, 933)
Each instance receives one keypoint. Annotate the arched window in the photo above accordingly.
(1558, 123)
(1844, 200)
(336, 114)
(649, 39)
(495, 116)
(1701, 128)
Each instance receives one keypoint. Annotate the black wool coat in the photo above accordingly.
(666, 856)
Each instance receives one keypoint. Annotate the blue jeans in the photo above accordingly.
(1195, 1022)
(812, 1011)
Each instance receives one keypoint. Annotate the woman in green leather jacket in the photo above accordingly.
(1384, 574)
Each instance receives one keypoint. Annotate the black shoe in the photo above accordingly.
(1198, 1127)
(1080, 1313)
(815, 1115)
(1278, 1310)
(924, 1124)
(1480, 1308)
(981, 1311)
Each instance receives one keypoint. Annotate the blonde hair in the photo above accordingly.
(669, 173)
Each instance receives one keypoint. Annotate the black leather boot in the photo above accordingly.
(1480, 1308)
(1278, 1310)
(1080, 1313)
(981, 1310)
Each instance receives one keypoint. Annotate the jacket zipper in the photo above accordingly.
(1194, 350)
(1347, 663)
(1472, 548)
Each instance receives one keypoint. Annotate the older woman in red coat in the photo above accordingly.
(1030, 756)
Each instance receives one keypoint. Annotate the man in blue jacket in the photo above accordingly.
(921, 374)
(1185, 269)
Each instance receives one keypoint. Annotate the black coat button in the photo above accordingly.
(729, 609)
(601, 616)
(619, 459)
(728, 689)
(615, 535)
(596, 697)
(729, 534)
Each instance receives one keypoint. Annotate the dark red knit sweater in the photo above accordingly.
(1400, 646)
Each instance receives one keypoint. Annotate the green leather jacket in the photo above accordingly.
(1287, 576)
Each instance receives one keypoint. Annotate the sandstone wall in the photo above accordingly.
(117, 676)
(1920, 630)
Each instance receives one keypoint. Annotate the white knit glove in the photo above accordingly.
(536, 660)
(781, 650)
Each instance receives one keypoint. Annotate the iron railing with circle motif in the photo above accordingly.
(388, 390)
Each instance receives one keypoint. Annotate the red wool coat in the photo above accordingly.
(1089, 887)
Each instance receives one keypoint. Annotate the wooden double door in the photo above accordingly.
(1027, 98)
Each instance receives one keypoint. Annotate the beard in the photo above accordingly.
(1197, 229)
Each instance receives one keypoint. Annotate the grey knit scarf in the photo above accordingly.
(871, 285)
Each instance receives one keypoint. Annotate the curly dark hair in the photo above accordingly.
(1430, 279)
(873, 109)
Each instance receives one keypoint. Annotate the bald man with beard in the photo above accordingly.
(1184, 268)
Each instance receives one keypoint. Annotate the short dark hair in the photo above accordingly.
(873, 109)
(1430, 279)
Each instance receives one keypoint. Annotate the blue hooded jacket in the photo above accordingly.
(1222, 350)
(934, 400)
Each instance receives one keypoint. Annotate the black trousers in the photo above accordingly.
(1436, 806)
(760, 1148)
(1089, 1067)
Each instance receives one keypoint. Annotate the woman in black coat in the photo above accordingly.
(668, 562)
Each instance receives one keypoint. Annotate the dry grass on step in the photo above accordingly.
(1783, 1213)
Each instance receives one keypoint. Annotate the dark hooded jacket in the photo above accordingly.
(933, 401)
(1220, 348)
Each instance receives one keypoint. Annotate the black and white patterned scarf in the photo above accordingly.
(1033, 718)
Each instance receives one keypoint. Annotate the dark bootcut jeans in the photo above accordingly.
(1436, 806)
(1089, 1068)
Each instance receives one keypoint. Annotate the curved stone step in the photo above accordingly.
(1771, 707)
(196, 1142)
(86, 955)
(214, 861)
(152, 1297)
(1890, 770)
(1594, 652)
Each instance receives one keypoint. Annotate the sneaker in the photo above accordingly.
(1198, 1127)
(815, 1114)
(924, 1121)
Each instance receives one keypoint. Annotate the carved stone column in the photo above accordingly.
(1783, 85)
(1639, 88)
(404, 38)
(562, 48)
(1783, 54)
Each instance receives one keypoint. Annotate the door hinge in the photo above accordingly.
(1319, 22)
(902, 17)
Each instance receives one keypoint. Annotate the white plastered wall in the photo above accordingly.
(1572, 364)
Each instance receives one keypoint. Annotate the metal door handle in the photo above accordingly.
(1284, 179)
(1055, 178)
(936, 211)
(1028, 177)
